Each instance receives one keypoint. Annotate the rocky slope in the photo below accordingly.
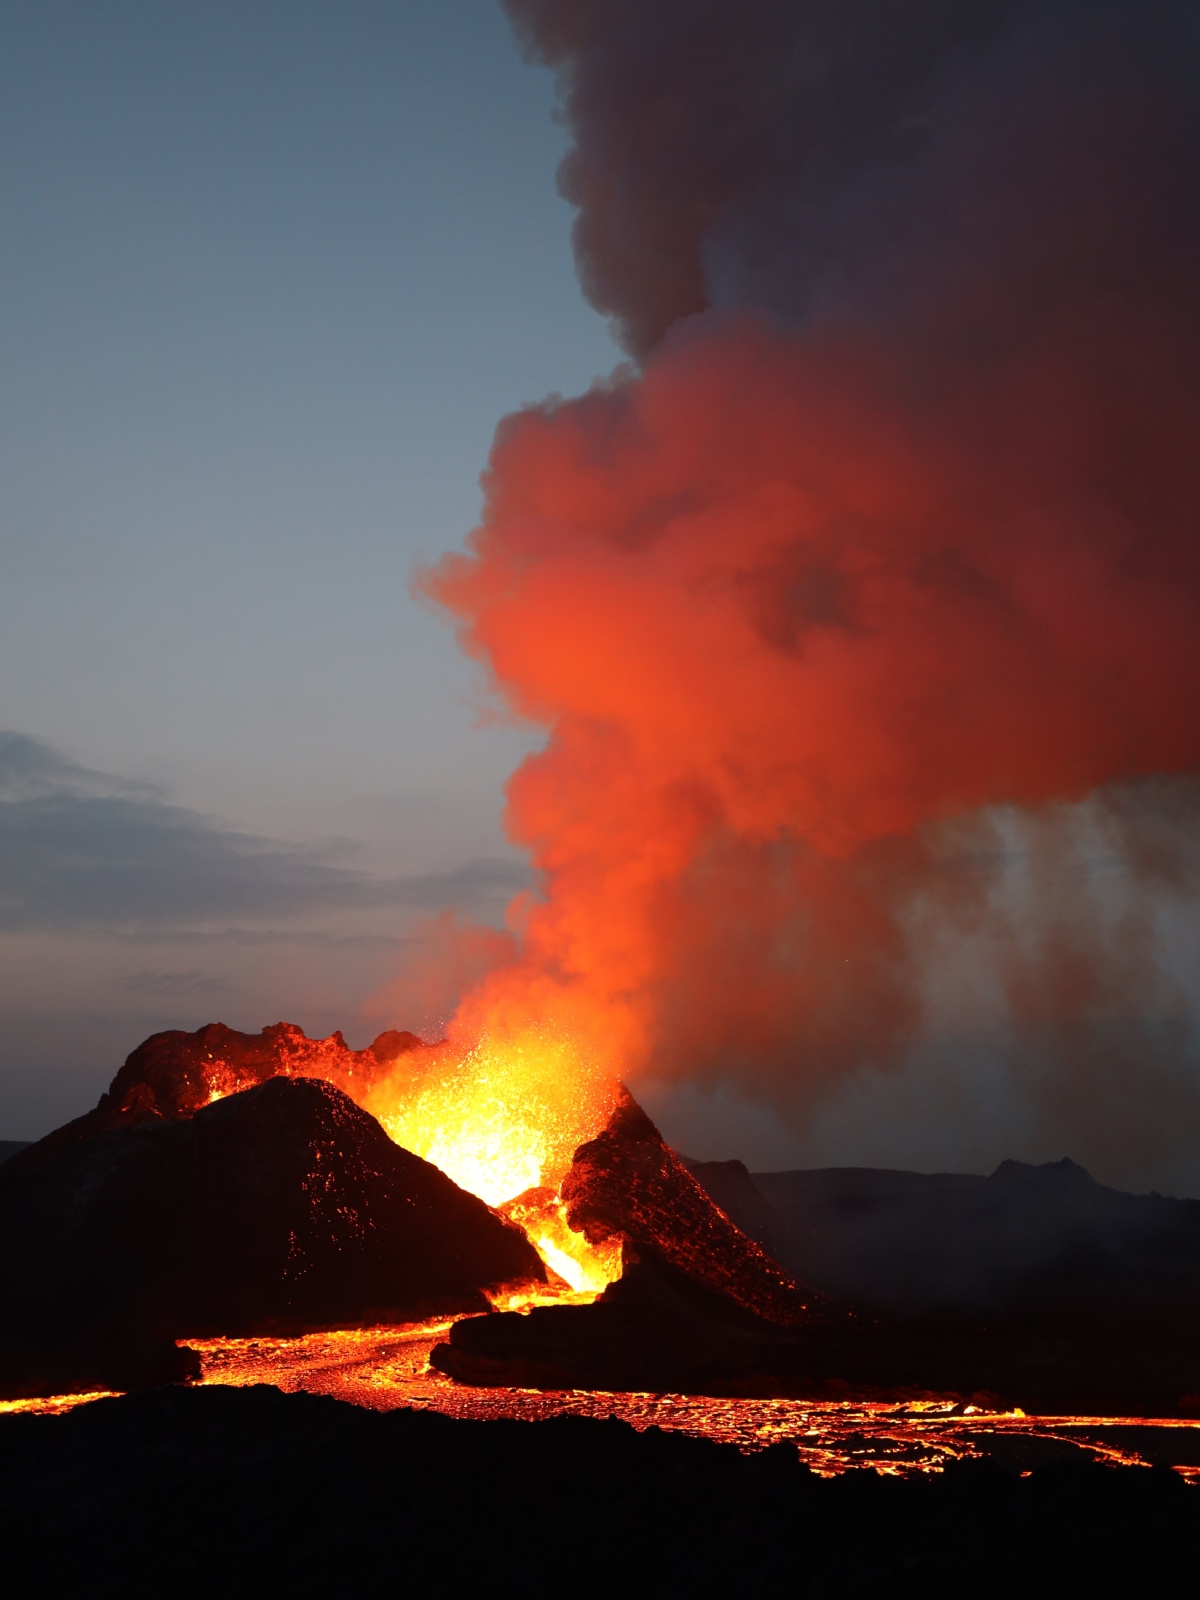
(281, 1208)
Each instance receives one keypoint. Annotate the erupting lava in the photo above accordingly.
(588, 1268)
(503, 1117)
(500, 1117)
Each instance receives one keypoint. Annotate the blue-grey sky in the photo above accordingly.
(271, 272)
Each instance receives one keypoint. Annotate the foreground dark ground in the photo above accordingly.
(250, 1492)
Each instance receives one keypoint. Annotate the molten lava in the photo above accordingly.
(388, 1367)
(503, 1118)
(499, 1117)
(588, 1268)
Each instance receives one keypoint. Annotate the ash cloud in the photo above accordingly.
(864, 614)
(789, 154)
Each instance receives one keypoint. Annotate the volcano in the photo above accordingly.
(231, 1185)
(227, 1184)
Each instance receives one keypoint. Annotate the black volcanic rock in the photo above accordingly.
(627, 1181)
(1068, 1326)
(729, 1185)
(283, 1208)
(654, 1330)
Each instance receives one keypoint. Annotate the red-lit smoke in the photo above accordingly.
(896, 520)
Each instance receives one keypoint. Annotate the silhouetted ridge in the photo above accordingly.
(913, 1242)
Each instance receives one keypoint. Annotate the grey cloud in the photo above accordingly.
(31, 769)
(84, 850)
(176, 985)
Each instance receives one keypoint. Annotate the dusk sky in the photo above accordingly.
(851, 594)
(271, 274)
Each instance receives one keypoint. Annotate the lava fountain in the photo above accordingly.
(503, 1115)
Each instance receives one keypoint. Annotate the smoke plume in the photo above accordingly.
(862, 612)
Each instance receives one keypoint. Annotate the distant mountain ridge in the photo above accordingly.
(914, 1242)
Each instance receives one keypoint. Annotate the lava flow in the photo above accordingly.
(386, 1368)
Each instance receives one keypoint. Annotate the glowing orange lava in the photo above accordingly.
(499, 1117)
(385, 1368)
(52, 1405)
(587, 1268)
(503, 1117)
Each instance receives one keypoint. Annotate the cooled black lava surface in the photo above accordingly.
(237, 1492)
(280, 1209)
(654, 1330)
